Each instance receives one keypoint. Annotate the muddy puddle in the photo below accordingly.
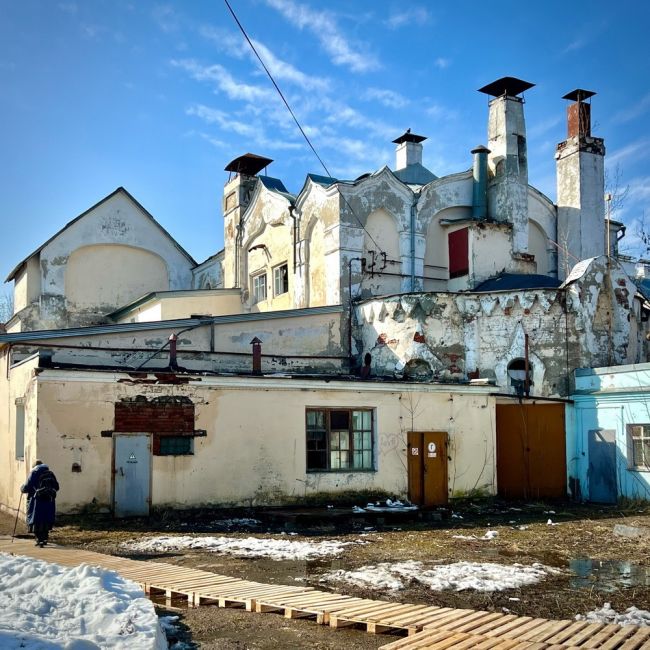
(607, 575)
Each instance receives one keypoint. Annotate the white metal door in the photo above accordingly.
(132, 472)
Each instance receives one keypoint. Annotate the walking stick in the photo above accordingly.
(17, 513)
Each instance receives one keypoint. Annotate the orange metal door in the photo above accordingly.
(531, 457)
(427, 468)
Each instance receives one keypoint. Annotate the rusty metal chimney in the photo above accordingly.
(578, 113)
(257, 356)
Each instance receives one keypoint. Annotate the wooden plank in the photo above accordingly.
(488, 625)
(450, 642)
(420, 640)
(508, 627)
(546, 631)
(585, 634)
(624, 633)
(523, 631)
(445, 621)
(564, 635)
(601, 637)
(639, 639)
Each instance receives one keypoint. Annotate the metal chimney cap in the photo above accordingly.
(248, 164)
(506, 86)
(578, 95)
(407, 136)
(255, 341)
(480, 149)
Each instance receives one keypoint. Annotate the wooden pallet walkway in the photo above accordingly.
(426, 627)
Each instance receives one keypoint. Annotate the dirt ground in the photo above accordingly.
(596, 564)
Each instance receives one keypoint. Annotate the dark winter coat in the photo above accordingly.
(41, 504)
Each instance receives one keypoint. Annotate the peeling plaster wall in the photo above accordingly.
(446, 336)
(116, 221)
(308, 336)
(209, 274)
(267, 225)
(247, 458)
(17, 383)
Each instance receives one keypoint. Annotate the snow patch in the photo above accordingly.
(276, 549)
(631, 616)
(44, 605)
(457, 576)
(490, 534)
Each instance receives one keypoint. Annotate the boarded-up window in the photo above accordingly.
(458, 253)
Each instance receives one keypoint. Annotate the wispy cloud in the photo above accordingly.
(412, 15)
(634, 111)
(632, 152)
(68, 7)
(442, 63)
(324, 26)
(576, 44)
(252, 131)
(541, 128)
(441, 113)
(386, 97)
(225, 82)
(281, 70)
(166, 18)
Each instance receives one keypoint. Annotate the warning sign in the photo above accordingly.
(431, 450)
(132, 458)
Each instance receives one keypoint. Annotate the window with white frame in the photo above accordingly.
(339, 439)
(259, 287)
(639, 445)
(280, 279)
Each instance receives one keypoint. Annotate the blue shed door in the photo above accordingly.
(602, 465)
(132, 472)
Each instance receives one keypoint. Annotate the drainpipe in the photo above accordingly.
(413, 215)
(363, 264)
(479, 187)
(292, 210)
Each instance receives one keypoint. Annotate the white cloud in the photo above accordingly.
(344, 115)
(574, 45)
(388, 98)
(442, 63)
(166, 18)
(225, 82)
(323, 25)
(441, 113)
(632, 152)
(417, 15)
(634, 111)
(252, 131)
(281, 70)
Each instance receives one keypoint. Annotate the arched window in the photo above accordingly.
(517, 375)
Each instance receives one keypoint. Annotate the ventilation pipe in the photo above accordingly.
(257, 356)
(173, 362)
(480, 178)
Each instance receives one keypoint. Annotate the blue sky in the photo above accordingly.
(159, 97)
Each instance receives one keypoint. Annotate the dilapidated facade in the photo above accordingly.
(392, 315)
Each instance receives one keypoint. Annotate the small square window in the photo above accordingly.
(280, 279)
(176, 446)
(259, 287)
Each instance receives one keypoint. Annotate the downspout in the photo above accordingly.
(413, 217)
(479, 186)
(363, 262)
(292, 210)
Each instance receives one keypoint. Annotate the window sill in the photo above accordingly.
(640, 468)
(350, 470)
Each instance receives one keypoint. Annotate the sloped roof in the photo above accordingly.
(277, 186)
(415, 174)
(516, 281)
(17, 268)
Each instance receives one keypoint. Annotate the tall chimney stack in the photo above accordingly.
(508, 158)
(580, 187)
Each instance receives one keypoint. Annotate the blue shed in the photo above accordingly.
(608, 434)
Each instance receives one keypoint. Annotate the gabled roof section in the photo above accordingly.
(277, 186)
(147, 214)
(325, 181)
(415, 174)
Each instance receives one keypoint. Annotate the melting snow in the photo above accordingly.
(491, 534)
(631, 616)
(458, 576)
(276, 549)
(45, 605)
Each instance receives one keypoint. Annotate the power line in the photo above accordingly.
(295, 119)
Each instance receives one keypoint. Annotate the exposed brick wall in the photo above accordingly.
(154, 417)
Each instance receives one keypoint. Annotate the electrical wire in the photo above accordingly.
(295, 119)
